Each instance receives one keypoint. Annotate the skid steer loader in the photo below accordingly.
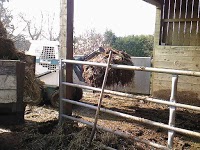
(47, 70)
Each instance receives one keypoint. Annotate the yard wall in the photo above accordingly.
(175, 57)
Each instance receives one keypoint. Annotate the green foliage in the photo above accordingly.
(135, 45)
(139, 45)
(109, 38)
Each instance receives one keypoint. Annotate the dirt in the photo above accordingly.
(41, 129)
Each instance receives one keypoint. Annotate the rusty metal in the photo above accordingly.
(100, 98)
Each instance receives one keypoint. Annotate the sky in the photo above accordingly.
(123, 17)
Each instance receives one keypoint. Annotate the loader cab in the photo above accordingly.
(47, 55)
(47, 70)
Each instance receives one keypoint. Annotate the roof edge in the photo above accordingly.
(157, 3)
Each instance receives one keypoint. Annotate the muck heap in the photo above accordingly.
(32, 85)
(94, 75)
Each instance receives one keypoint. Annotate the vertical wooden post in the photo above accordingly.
(67, 108)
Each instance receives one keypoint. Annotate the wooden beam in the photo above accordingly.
(157, 3)
(69, 54)
(181, 20)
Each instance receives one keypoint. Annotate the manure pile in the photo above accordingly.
(32, 86)
(94, 75)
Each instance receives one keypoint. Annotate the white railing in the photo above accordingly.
(172, 103)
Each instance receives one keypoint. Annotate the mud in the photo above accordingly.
(186, 97)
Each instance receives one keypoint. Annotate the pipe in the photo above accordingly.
(146, 121)
(100, 98)
(137, 68)
(172, 111)
(136, 97)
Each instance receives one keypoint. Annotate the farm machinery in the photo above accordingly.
(47, 70)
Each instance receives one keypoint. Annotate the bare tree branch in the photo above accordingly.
(34, 31)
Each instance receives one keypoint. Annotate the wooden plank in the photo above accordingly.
(177, 51)
(182, 24)
(7, 67)
(198, 36)
(166, 24)
(20, 73)
(8, 82)
(187, 25)
(8, 96)
(175, 39)
(178, 47)
(193, 41)
(186, 59)
(157, 33)
(180, 53)
(181, 86)
(182, 79)
(177, 65)
(181, 34)
(69, 55)
(181, 20)
(170, 28)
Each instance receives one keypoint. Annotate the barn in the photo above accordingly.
(177, 46)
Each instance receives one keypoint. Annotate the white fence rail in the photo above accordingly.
(172, 103)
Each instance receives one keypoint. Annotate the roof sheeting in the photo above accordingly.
(157, 3)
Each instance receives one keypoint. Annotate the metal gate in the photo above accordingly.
(172, 103)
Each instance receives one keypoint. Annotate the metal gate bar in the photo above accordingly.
(139, 119)
(137, 68)
(100, 98)
(172, 104)
(145, 98)
(172, 110)
(117, 132)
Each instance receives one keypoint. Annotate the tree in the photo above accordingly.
(51, 33)
(6, 18)
(33, 30)
(88, 42)
(21, 43)
(7, 28)
(3, 33)
(139, 45)
(109, 38)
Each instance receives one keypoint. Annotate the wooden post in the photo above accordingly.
(67, 108)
